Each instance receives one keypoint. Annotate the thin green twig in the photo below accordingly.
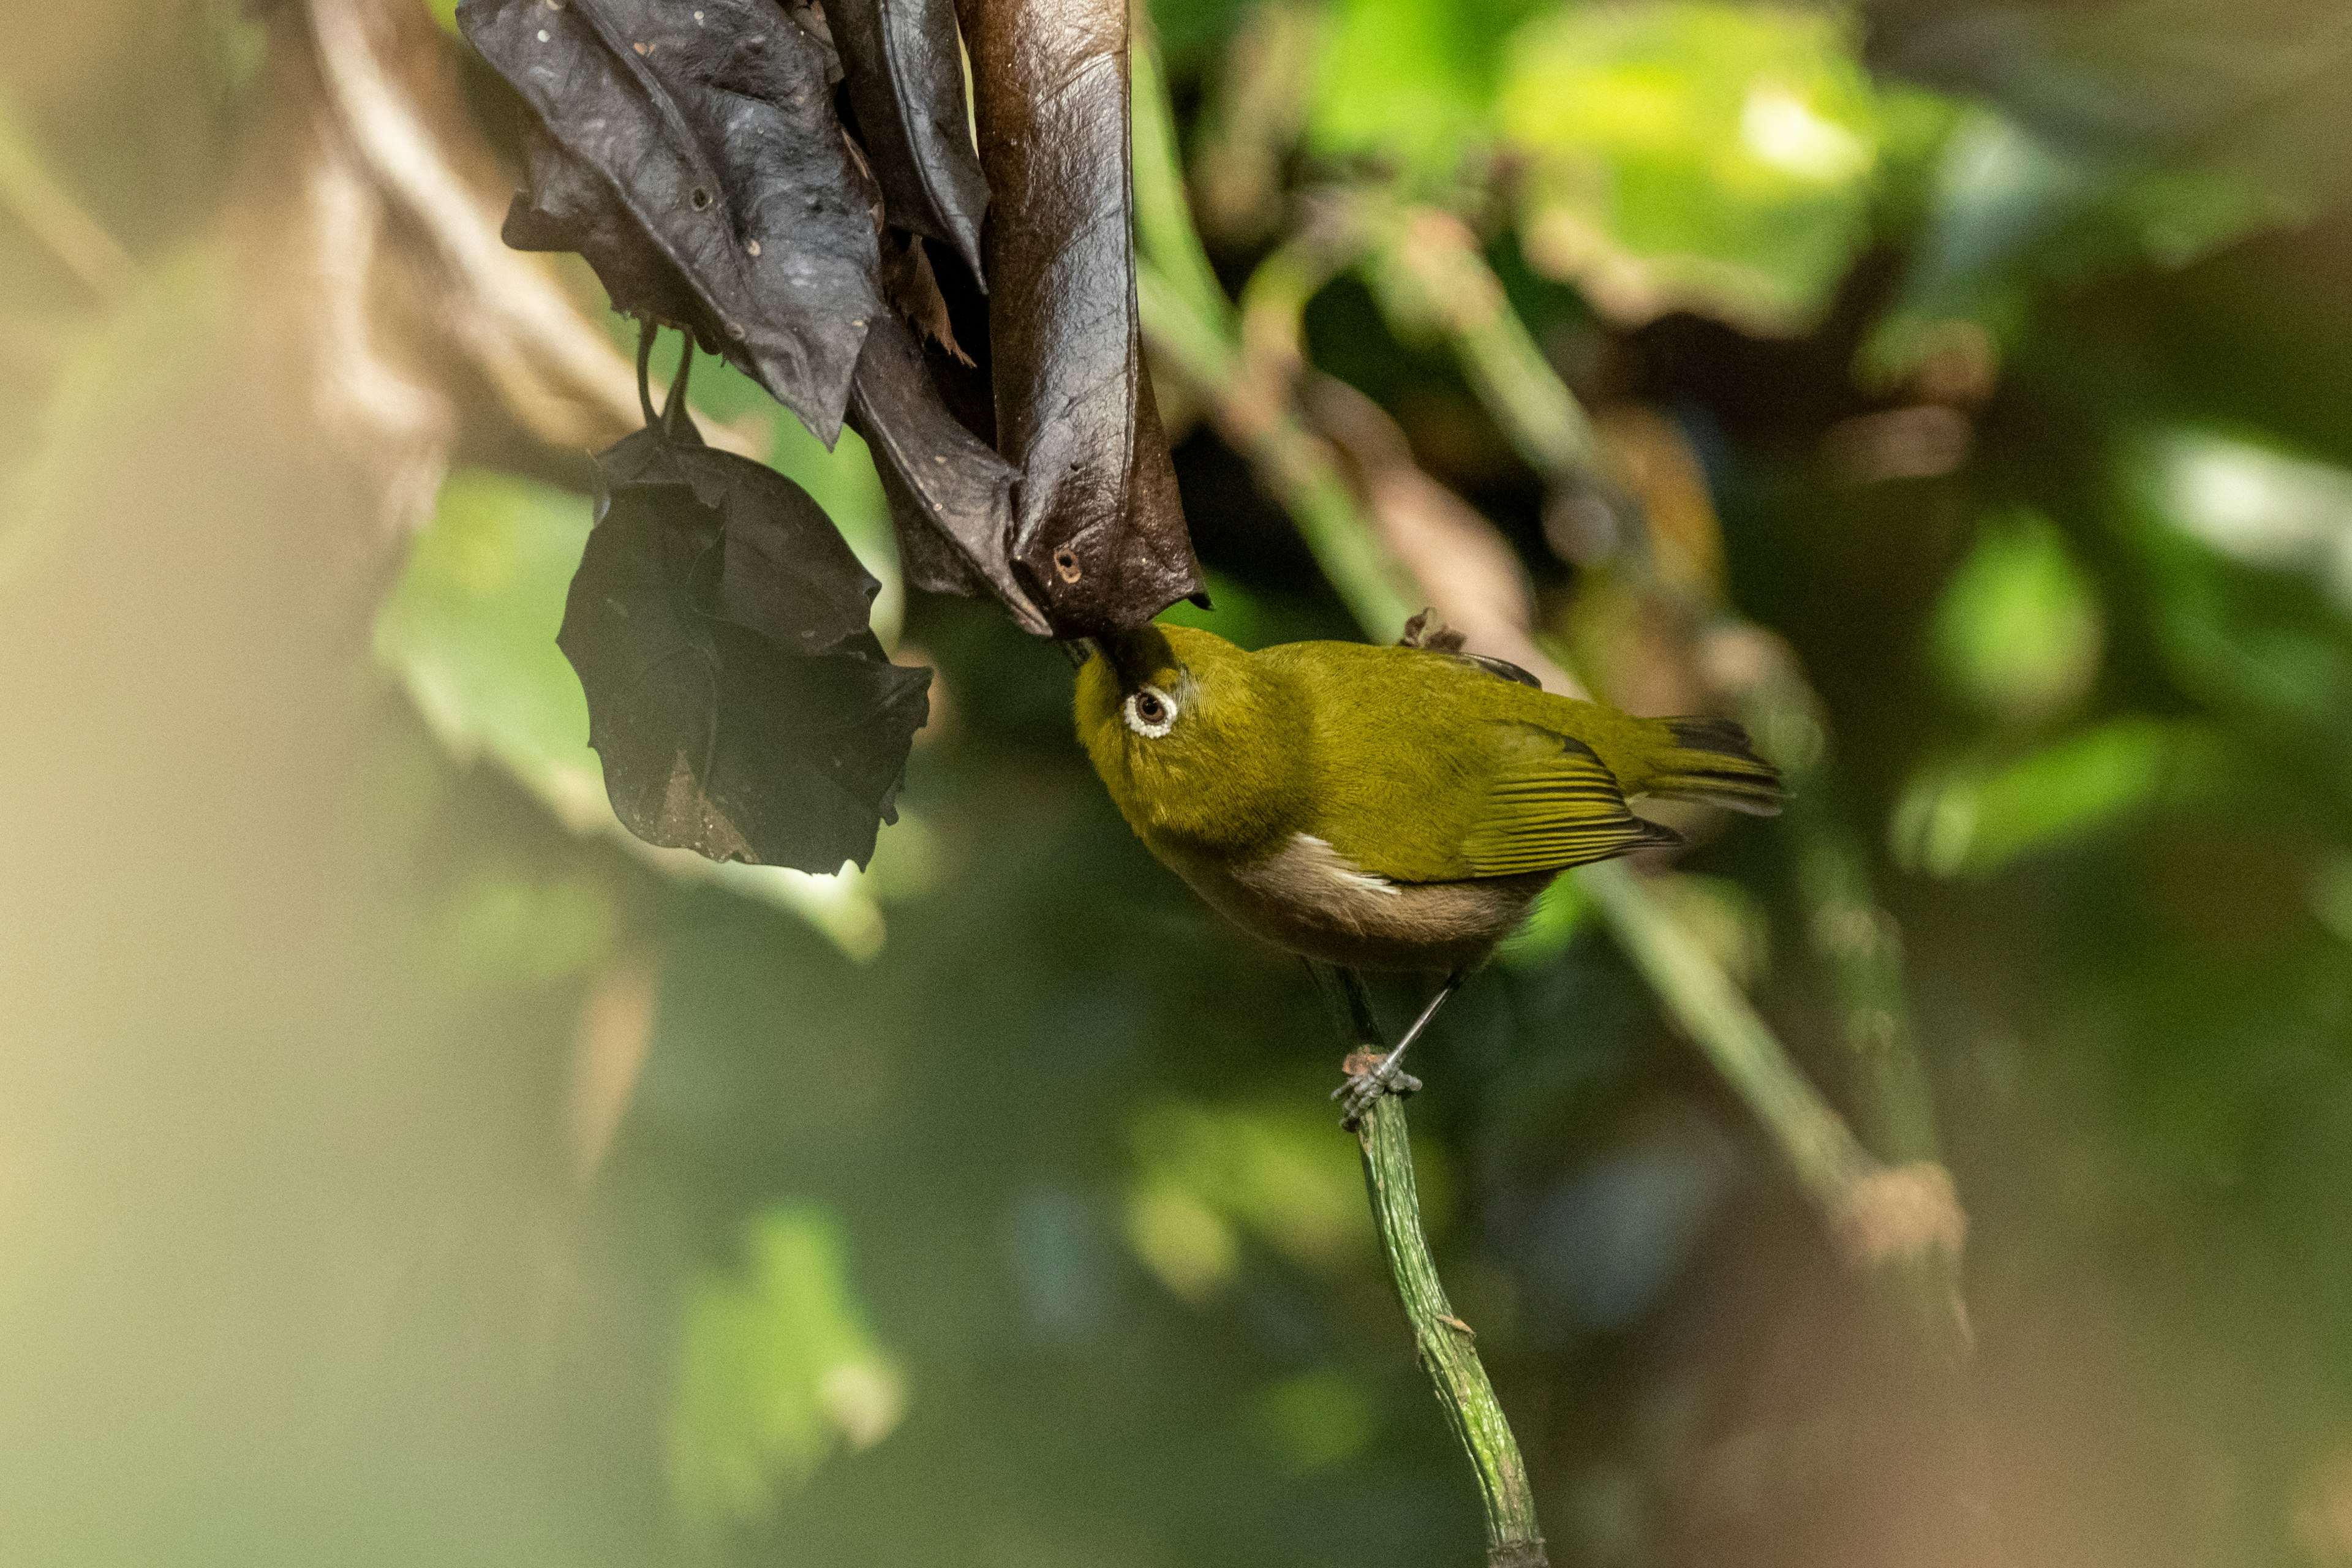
(1444, 1343)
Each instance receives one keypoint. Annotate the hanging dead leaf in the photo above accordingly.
(951, 496)
(905, 71)
(692, 155)
(740, 703)
(1100, 539)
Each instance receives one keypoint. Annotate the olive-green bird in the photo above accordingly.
(1393, 808)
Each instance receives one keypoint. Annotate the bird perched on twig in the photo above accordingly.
(1389, 808)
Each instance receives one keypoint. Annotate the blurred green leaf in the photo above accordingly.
(1692, 155)
(470, 631)
(1998, 193)
(2017, 632)
(1211, 1174)
(1187, 1245)
(1561, 912)
(775, 1370)
(2248, 553)
(1240, 616)
(1974, 820)
(505, 924)
(1315, 1422)
(2011, 208)
(2258, 505)
(1402, 82)
(2331, 895)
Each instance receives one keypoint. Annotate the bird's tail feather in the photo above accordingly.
(1712, 760)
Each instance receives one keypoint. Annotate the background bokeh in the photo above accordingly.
(398, 1164)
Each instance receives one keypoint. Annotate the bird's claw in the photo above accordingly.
(1364, 1088)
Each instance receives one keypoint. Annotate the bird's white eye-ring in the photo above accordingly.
(1150, 712)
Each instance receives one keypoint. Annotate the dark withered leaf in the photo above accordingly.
(951, 496)
(692, 155)
(962, 376)
(905, 74)
(738, 701)
(1100, 539)
(913, 291)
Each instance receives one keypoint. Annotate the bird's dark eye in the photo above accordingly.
(1150, 709)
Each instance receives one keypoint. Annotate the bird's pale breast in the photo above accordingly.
(1309, 898)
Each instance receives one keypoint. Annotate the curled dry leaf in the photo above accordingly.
(738, 701)
(951, 496)
(692, 155)
(1100, 538)
(905, 73)
(913, 291)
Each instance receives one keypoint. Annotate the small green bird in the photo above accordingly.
(1391, 808)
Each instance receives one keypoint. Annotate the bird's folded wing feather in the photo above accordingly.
(1552, 805)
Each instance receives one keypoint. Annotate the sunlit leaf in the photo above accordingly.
(2017, 632)
(1689, 154)
(2246, 547)
(776, 1370)
(1404, 82)
(2258, 505)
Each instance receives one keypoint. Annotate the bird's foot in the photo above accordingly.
(1371, 1074)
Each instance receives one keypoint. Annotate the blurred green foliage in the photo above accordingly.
(774, 1370)
(1703, 155)
(986, 1208)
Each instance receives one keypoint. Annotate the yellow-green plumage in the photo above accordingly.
(1381, 807)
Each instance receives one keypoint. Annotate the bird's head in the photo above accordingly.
(1194, 739)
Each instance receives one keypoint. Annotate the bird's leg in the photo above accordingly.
(1385, 1076)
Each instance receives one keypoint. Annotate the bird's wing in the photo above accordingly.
(1549, 806)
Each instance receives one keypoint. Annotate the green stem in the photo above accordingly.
(1445, 1343)
(1291, 460)
(1429, 272)
(1820, 1148)
(1163, 217)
